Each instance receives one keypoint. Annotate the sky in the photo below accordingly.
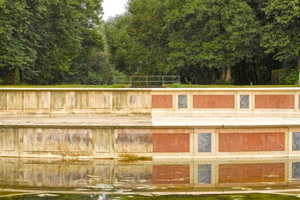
(113, 7)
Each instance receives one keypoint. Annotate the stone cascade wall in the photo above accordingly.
(74, 101)
(279, 102)
(156, 142)
(227, 102)
(195, 174)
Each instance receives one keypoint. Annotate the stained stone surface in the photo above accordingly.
(204, 174)
(296, 141)
(182, 101)
(296, 171)
(244, 101)
(204, 142)
(299, 101)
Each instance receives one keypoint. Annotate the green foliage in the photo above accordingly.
(206, 33)
(281, 34)
(292, 78)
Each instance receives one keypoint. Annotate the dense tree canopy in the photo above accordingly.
(203, 41)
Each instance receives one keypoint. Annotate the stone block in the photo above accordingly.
(204, 142)
(3, 100)
(165, 142)
(133, 142)
(296, 171)
(204, 174)
(182, 101)
(274, 101)
(244, 101)
(296, 141)
(213, 101)
(162, 101)
(245, 142)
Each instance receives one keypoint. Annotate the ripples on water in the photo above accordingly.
(111, 179)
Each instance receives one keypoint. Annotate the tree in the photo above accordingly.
(210, 33)
(281, 33)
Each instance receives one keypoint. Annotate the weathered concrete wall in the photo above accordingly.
(281, 102)
(156, 142)
(190, 174)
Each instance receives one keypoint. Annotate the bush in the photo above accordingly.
(292, 78)
(1, 81)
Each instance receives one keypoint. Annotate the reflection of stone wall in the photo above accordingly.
(189, 173)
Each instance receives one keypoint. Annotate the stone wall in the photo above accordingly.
(156, 142)
(281, 102)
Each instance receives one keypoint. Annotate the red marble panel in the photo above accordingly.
(249, 173)
(274, 101)
(239, 142)
(171, 174)
(177, 142)
(162, 101)
(213, 101)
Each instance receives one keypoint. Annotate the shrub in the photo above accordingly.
(292, 78)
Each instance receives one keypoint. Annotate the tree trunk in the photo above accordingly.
(12, 77)
(223, 72)
(228, 74)
(298, 68)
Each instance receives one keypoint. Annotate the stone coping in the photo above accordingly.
(145, 122)
(153, 89)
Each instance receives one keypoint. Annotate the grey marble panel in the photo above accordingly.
(204, 142)
(244, 101)
(296, 141)
(296, 171)
(182, 101)
(204, 174)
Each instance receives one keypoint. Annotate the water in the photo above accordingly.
(164, 179)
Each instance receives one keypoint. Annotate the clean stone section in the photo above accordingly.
(171, 174)
(296, 171)
(182, 101)
(239, 142)
(204, 174)
(204, 142)
(296, 141)
(175, 142)
(274, 101)
(247, 173)
(213, 101)
(162, 101)
(244, 101)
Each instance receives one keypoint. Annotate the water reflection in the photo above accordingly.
(116, 176)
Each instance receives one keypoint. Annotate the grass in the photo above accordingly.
(175, 85)
(66, 86)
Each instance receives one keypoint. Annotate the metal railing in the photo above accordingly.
(153, 80)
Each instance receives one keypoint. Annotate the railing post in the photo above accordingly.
(146, 81)
(130, 80)
(163, 80)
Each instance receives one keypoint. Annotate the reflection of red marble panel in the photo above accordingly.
(247, 173)
(274, 101)
(238, 142)
(176, 142)
(162, 101)
(171, 174)
(213, 101)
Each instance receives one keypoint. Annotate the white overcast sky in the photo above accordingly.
(113, 7)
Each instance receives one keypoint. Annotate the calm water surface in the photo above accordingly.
(172, 179)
